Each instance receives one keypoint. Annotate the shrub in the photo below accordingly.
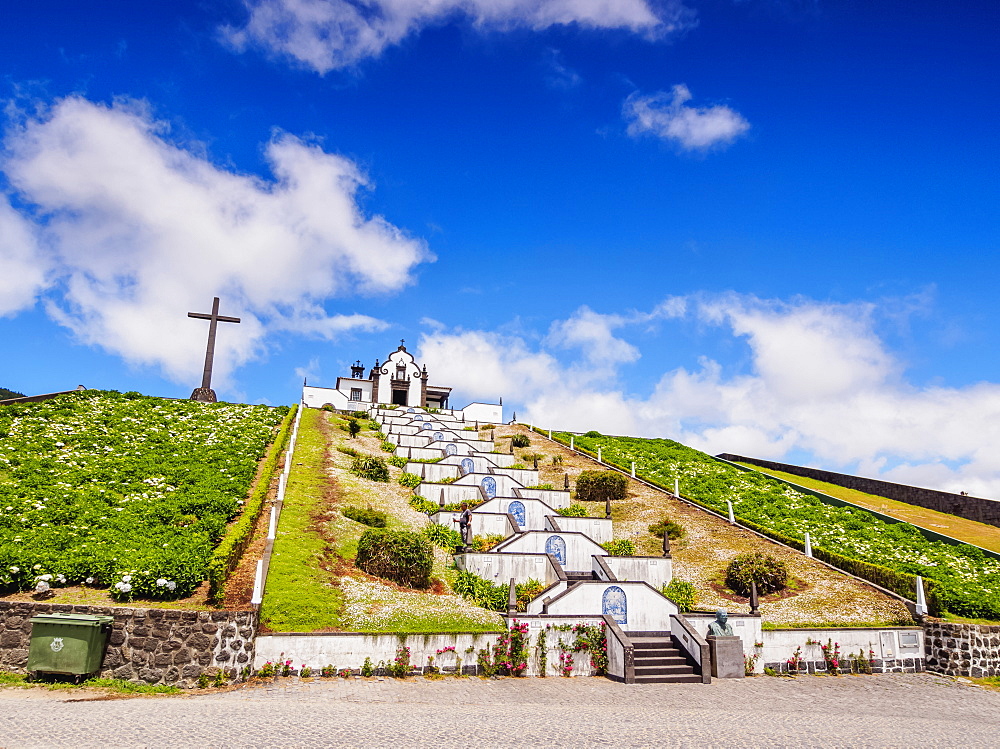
(420, 504)
(532, 457)
(328, 407)
(527, 592)
(668, 526)
(389, 447)
(540, 486)
(573, 511)
(769, 573)
(409, 480)
(404, 557)
(520, 440)
(620, 547)
(398, 460)
(682, 593)
(443, 536)
(359, 414)
(374, 518)
(487, 542)
(481, 592)
(518, 466)
(370, 467)
(348, 451)
(598, 486)
(353, 428)
(592, 434)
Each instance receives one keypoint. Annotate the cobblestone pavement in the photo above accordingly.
(920, 710)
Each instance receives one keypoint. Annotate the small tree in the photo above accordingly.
(769, 573)
(598, 486)
(353, 428)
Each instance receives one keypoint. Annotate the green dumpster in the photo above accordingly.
(67, 643)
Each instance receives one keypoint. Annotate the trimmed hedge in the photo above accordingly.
(374, 518)
(404, 557)
(599, 486)
(237, 537)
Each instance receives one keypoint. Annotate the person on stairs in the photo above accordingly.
(464, 521)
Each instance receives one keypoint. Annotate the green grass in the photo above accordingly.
(116, 686)
(298, 596)
(949, 617)
(969, 531)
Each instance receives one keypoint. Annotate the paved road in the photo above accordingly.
(886, 711)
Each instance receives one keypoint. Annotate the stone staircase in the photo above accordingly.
(572, 578)
(659, 661)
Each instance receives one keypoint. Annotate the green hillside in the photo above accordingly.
(122, 491)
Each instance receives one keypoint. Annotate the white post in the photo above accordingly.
(282, 481)
(677, 487)
(809, 546)
(572, 438)
(732, 517)
(258, 583)
(599, 460)
(550, 434)
(273, 525)
(921, 601)
(633, 469)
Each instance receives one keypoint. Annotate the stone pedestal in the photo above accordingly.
(205, 395)
(727, 657)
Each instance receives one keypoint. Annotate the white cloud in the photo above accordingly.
(820, 382)
(591, 332)
(669, 117)
(326, 35)
(140, 231)
(23, 265)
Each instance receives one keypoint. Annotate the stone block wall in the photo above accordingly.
(156, 646)
(962, 649)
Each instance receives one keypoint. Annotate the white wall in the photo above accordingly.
(489, 413)
(887, 642)
(647, 610)
(579, 548)
(523, 476)
(450, 492)
(483, 523)
(315, 397)
(657, 571)
(555, 498)
(500, 568)
(433, 471)
(535, 511)
(599, 529)
(505, 484)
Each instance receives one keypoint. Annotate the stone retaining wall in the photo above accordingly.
(963, 649)
(157, 646)
(970, 508)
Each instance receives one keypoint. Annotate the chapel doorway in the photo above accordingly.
(399, 397)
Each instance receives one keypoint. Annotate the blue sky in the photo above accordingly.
(758, 226)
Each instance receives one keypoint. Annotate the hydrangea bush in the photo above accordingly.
(121, 490)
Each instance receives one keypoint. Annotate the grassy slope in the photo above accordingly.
(823, 597)
(298, 596)
(302, 596)
(970, 531)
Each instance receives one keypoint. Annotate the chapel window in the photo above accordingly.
(355, 394)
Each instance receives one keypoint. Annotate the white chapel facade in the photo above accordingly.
(397, 381)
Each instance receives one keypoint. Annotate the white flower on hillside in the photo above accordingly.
(161, 582)
(41, 586)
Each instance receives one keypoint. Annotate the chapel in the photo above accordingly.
(398, 381)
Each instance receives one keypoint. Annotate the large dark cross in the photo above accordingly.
(205, 392)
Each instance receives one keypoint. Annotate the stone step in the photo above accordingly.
(681, 668)
(690, 678)
(668, 660)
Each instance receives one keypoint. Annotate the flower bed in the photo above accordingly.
(963, 579)
(122, 491)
